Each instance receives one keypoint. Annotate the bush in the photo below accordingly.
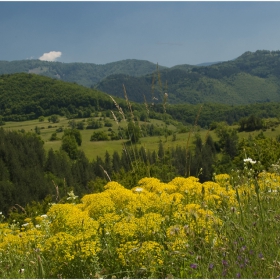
(99, 136)
(53, 119)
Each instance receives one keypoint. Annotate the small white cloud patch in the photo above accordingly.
(50, 56)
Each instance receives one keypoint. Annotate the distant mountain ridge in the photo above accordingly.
(252, 77)
(86, 74)
(208, 63)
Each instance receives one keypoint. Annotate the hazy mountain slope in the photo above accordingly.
(252, 77)
(86, 74)
(208, 63)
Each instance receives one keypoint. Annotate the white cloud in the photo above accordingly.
(50, 56)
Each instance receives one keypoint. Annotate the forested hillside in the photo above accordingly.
(210, 112)
(252, 77)
(28, 96)
(86, 74)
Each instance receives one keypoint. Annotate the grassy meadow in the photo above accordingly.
(93, 149)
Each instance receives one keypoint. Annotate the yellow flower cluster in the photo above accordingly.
(269, 182)
(148, 254)
(141, 223)
(73, 234)
(71, 219)
(154, 209)
(20, 242)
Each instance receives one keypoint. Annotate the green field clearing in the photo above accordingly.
(94, 149)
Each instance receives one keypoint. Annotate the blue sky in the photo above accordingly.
(168, 33)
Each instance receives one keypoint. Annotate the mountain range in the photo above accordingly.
(252, 77)
(85, 74)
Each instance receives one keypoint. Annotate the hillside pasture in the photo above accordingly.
(93, 149)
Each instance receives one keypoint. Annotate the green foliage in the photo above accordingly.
(70, 146)
(72, 124)
(1, 121)
(75, 133)
(93, 124)
(53, 118)
(54, 137)
(251, 123)
(228, 140)
(41, 118)
(80, 125)
(99, 136)
(264, 150)
(22, 179)
(107, 123)
(133, 132)
(211, 113)
(203, 159)
(37, 130)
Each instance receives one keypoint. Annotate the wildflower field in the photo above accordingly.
(225, 228)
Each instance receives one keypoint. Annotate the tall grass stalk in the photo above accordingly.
(191, 132)
(124, 119)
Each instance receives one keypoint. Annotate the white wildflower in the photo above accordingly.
(250, 160)
(72, 195)
(138, 190)
(270, 190)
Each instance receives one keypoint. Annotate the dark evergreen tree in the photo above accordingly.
(143, 155)
(228, 140)
(125, 159)
(116, 162)
(208, 160)
(98, 167)
(160, 151)
(22, 179)
(82, 172)
(108, 163)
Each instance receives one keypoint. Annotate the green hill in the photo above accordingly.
(28, 96)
